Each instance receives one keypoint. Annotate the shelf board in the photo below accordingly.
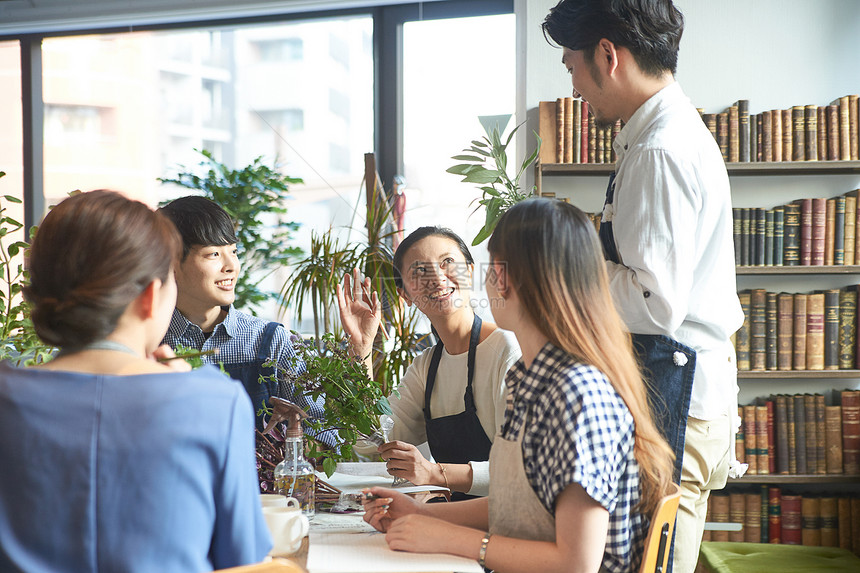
(797, 479)
(796, 374)
(758, 168)
(799, 270)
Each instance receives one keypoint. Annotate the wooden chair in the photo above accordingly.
(656, 556)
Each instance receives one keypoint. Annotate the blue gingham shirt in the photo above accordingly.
(578, 430)
(237, 339)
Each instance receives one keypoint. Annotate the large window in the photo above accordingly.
(445, 90)
(11, 134)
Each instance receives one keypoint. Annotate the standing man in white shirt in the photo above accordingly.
(667, 234)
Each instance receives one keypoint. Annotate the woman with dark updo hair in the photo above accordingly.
(113, 458)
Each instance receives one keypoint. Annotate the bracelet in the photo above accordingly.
(444, 475)
(482, 555)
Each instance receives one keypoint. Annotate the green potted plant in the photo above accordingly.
(486, 165)
(249, 195)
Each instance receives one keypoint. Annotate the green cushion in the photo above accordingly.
(728, 557)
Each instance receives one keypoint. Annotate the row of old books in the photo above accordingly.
(771, 515)
(799, 133)
(577, 137)
(806, 232)
(801, 434)
(798, 331)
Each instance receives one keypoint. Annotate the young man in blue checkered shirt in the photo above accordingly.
(205, 318)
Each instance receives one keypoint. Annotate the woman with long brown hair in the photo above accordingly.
(579, 464)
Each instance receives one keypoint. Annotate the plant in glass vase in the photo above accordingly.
(486, 164)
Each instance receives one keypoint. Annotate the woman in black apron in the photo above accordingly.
(452, 395)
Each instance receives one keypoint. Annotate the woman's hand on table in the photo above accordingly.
(387, 506)
(425, 534)
(403, 460)
(360, 312)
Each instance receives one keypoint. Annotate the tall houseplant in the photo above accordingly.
(253, 196)
(18, 340)
(486, 164)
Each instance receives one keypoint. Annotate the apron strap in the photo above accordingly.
(468, 398)
(607, 237)
(266, 341)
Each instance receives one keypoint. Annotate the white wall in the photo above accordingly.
(775, 53)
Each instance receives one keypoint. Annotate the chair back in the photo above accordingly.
(659, 540)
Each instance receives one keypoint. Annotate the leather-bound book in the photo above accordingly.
(750, 437)
(759, 142)
(740, 439)
(771, 317)
(758, 328)
(737, 229)
(584, 134)
(778, 235)
(592, 140)
(767, 135)
(747, 221)
(833, 439)
(815, 331)
(781, 431)
(791, 519)
(742, 339)
(831, 329)
(811, 433)
(771, 436)
(798, 123)
(810, 520)
(791, 241)
(821, 114)
(847, 327)
(792, 435)
(850, 229)
(760, 236)
(800, 304)
(829, 522)
(853, 139)
(768, 237)
(600, 139)
(764, 514)
(844, 128)
(710, 120)
(811, 124)
(723, 134)
(568, 130)
(720, 514)
(752, 518)
(800, 434)
(737, 514)
(574, 131)
(774, 515)
(851, 431)
(829, 231)
(819, 231)
(778, 136)
(832, 112)
(559, 130)
(843, 509)
(855, 524)
(806, 232)
(734, 134)
(761, 437)
(784, 330)
(743, 106)
(820, 434)
(839, 230)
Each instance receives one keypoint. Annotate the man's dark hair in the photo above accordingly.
(201, 222)
(650, 29)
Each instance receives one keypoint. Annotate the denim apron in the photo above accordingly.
(459, 438)
(248, 373)
(667, 366)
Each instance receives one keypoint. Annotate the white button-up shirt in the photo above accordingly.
(672, 221)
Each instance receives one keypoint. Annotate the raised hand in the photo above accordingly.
(360, 312)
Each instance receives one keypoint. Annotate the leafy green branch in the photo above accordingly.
(486, 165)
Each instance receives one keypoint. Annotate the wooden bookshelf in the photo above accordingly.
(779, 168)
(795, 479)
(796, 374)
(799, 270)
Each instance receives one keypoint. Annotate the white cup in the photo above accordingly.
(273, 500)
(287, 525)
